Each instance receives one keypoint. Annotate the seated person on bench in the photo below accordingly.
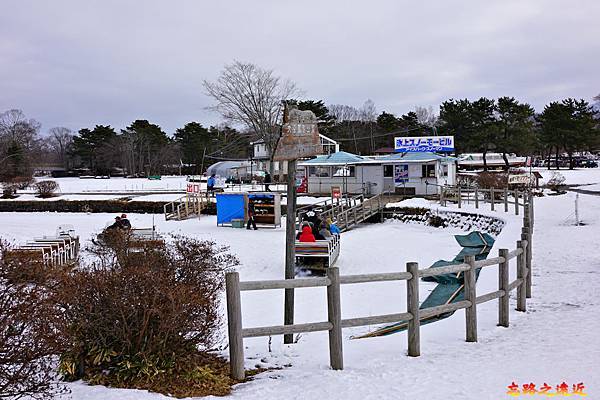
(333, 228)
(324, 231)
(306, 235)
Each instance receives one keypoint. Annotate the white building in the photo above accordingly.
(402, 173)
(260, 156)
(470, 161)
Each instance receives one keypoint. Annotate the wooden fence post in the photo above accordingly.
(334, 314)
(503, 303)
(470, 295)
(459, 198)
(476, 198)
(517, 202)
(234, 324)
(526, 235)
(505, 200)
(530, 198)
(492, 198)
(521, 304)
(442, 196)
(290, 249)
(412, 304)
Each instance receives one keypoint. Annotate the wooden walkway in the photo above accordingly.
(187, 206)
(350, 211)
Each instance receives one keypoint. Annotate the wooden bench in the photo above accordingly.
(145, 238)
(27, 254)
(328, 250)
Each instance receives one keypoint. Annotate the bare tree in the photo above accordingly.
(60, 139)
(17, 139)
(251, 96)
(368, 115)
(343, 112)
(16, 128)
(426, 116)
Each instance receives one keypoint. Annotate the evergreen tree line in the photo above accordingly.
(504, 126)
(144, 149)
(141, 149)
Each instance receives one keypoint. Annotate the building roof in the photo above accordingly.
(341, 157)
(384, 150)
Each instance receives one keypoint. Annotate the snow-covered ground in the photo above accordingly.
(579, 176)
(555, 341)
(169, 188)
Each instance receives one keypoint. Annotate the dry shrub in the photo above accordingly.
(556, 183)
(145, 315)
(488, 180)
(496, 180)
(46, 189)
(10, 186)
(28, 341)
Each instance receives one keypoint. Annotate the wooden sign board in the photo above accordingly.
(299, 136)
(519, 179)
(192, 188)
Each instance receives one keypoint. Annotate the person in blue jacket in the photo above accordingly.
(333, 228)
(210, 183)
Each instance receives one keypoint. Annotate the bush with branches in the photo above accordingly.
(556, 183)
(146, 316)
(46, 189)
(28, 341)
(11, 185)
(488, 180)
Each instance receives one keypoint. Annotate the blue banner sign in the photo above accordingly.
(416, 144)
(400, 174)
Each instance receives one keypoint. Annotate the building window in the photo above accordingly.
(428, 171)
(444, 170)
(347, 171)
(320, 172)
(388, 171)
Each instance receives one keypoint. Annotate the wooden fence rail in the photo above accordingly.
(412, 315)
(520, 199)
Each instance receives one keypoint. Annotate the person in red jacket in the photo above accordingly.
(307, 235)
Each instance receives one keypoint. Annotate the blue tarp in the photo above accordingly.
(475, 239)
(229, 207)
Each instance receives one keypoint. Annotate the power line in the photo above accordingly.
(380, 135)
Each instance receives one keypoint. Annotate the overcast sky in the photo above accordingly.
(80, 63)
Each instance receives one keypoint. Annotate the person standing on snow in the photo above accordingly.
(267, 181)
(251, 213)
(210, 183)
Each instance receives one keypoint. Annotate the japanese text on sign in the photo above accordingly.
(415, 144)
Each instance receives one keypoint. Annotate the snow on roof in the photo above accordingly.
(341, 157)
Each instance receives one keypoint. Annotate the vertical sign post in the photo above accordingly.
(290, 256)
(299, 139)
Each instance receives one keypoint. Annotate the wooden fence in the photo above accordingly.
(333, 281)
(510, 199)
